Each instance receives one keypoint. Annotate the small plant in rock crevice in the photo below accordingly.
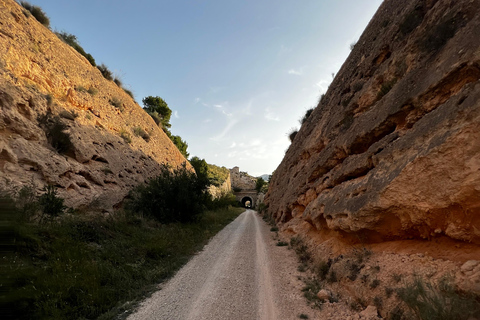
(125, 136)
(117, 104)
(107, 74)
(55, 130)
(72, 41)
(292, 134)
(139, 132)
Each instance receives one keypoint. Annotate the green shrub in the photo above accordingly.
(217, 175)
(439, 35)
(385, 88)
(412, 21)
(332, 277)
(282, 244)
(129, 92)
(224, 201)
(125, 136)
(92, 91)
(72, 41)
(107, 74)
(262, 208)
(176, 195)
(117, 104)
(94, 267)
(51, 205)
(292, 134)
(118, 81)
(322, 269)
(375, 283)
(158, 109)
(139, 132)
(259, 184)
(37, 12)
(438, 302)
(179, 143)
(306, 116)
(310, 290)
(301, 249)
(55, 131)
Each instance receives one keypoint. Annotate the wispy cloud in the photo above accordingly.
(323, 85)
(175, 114)
(230, 124)
(283, 50)
(295, 72)
(216, 89)
(197, 100)
(270, 115)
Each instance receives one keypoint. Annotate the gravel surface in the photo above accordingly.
(240, 274)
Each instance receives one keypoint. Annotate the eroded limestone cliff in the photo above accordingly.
(392, 151)
(41, 75)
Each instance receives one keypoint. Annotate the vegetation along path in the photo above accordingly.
(240, 274)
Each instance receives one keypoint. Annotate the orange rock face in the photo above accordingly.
(39, 74)
(392, 151)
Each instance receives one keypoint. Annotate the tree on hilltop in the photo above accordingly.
(158, 109)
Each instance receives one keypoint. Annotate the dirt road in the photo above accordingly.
(240, 274)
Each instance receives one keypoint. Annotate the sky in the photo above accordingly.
(238, 75)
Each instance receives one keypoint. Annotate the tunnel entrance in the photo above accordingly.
(247, 202)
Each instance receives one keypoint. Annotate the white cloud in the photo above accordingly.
(233, 145)
(175, 114)
(295, 72)
(323, 85)
(271, 116)
(197, 100)
(230, 124)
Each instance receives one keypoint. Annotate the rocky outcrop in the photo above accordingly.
(115, 144)
(241, 180)
(392, 151)
(224, 188)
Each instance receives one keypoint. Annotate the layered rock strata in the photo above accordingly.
(115, 144)
(392, 151)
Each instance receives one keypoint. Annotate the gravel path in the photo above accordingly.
(240, 274)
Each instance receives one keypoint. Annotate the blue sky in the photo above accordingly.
(238, 75)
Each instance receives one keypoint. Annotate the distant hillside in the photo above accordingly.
(265, 177)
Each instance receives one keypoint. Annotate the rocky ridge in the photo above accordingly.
(115, 144)
(382, 181)
(392, 150)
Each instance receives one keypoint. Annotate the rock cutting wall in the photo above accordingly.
(392, 151)
(40, 74)
(241, 180)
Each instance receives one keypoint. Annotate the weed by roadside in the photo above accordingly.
(97, 267)
(310, 290)
(438, 301)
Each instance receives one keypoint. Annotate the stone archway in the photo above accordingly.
(247, 202)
